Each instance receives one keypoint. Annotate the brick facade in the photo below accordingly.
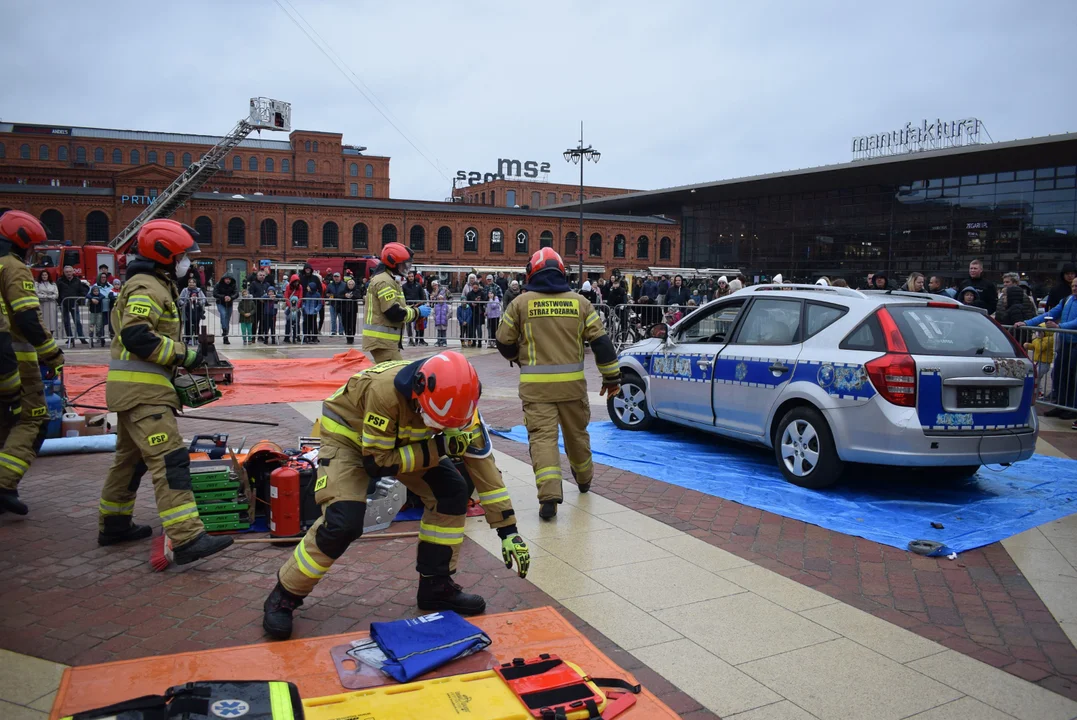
(526, 192)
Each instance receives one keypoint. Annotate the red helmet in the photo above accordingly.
(165, 240)
(394, 254)
(544, 258)
(22, 229)
(447, 389)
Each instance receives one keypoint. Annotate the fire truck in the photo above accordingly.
(85, 259)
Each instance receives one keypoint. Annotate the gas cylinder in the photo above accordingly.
(284, 520)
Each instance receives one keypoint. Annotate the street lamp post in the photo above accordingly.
(578, 155)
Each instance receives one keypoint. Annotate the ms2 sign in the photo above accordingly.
(505, 168)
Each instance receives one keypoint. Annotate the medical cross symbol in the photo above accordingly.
(230, 708)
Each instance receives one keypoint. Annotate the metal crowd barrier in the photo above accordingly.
(1054, 351)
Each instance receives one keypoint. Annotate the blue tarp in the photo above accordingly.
(891, 508)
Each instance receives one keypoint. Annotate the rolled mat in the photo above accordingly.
(257, 381)
(76, 445)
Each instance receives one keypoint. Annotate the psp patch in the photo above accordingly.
(157, 439)
(27, 286)
(553, 307)
(376, 421)
(138, 309)
(39, 412)
(321, 483)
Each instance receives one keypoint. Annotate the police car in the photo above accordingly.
(827, 376)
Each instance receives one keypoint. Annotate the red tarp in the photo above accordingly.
(257, 382)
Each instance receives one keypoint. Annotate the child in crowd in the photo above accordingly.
(1042, 349)
(246, 316)
(493, 315)
(269, 315)
(439, 298)
(97, 304)
(463, 318)
(312, 303)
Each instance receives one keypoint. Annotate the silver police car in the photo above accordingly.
(827, 376)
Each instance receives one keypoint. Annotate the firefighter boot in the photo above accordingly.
(9, 501)
(439, 592)
(277, 620)
(202, 546)
(124, 533)
(548, 510)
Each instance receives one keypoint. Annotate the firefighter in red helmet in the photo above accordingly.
(386, 311)
(22, 425)
(408, 420)
(543, 331)
(145, 352)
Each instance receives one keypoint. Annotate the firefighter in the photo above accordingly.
(402, 419)
(543, 331)
(22, 429)
(386, 311)
(145, 352)
(481, 472)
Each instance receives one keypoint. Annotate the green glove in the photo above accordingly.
(457, 442)
(193, 358)
(514, 547)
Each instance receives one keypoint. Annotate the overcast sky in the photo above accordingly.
(671, 93)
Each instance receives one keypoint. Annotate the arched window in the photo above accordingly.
(369, 170)
(596, 245)
(359, 237)
(330, 235)
(117, 156)
(270, 165)
(97, 228)
(418, 238)
(99, 155)
(388, 234)
(315, 146)
(43, 152)
(566, 197)
(204, 227)
(570, 244)
(497, 241)
(300, 234)
(170, 159)
(61, 153)
(267, 233)
(310, 167)
(237, 232)
(643, 247)
(252, 164)
(353, 170)
(285, 165)
(237, 162)
(306, 146)
(369, 191)
(546, 239)
(80, 154)
(53, 220)
(151, 157)
(665, 248)
(186, 160)
(619, 246)
(521, 242)
(444, 239)
(24, 152)
(471, 240)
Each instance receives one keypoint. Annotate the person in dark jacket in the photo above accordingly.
(988, 294)
(650, 288)
(618, 296)
(511, 293)
(880, 281)
(258, 286)
(678, 293)
(334, 292)
(225, 294)
(71, 291)
(414, 295)
(1059, 291)
(1014, 304)
(969, 296)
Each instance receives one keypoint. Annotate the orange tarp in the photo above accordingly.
(309, 665)
(257, 381)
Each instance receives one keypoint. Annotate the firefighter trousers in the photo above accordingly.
(341, 490)
(381, 355)
(542, 421)
(147, 438)
(22, 432)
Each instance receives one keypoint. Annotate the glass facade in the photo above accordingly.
(1020, 220)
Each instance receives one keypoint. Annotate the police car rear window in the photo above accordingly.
(950, 331)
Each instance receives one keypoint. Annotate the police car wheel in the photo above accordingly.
(628, 409)
(804, 448)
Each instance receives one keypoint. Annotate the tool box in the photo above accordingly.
(221, 504)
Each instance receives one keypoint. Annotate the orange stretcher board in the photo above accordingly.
(308, 663)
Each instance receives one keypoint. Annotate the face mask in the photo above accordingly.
(183, 264)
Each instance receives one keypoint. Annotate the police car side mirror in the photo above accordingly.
(660, 331)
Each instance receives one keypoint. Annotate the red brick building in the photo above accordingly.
(285, 200)
(511, 192)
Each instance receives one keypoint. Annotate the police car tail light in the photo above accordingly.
(893, 374)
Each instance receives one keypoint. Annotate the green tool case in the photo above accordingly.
(253, 700)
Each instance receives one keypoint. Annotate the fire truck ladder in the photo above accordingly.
(265, 114)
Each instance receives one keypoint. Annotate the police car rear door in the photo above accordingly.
(754, 368)
(682, 370)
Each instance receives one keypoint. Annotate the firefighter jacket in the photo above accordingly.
(10, 380)
(376, 413)
(386, 312)
(30, 340)
(147, 344)
(544, 330)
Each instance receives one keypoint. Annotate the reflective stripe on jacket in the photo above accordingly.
(379, 332)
